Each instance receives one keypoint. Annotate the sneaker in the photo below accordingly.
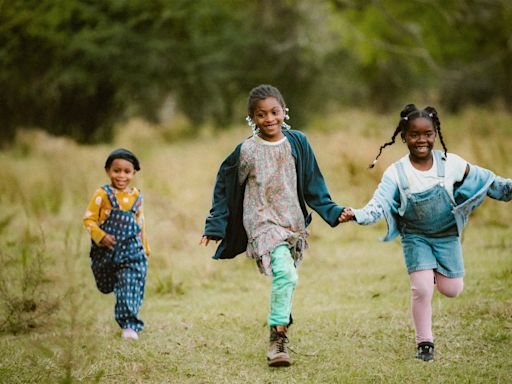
(130, 334)
(425, 351)
(277, 355)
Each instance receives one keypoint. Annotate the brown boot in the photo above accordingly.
(277, 355)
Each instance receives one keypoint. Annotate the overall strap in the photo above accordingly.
(440, 164)
(402, 179)
(111, 196)
(137, 204)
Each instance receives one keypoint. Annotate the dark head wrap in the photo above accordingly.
(124, 154)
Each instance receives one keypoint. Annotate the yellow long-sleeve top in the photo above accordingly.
(99, 208)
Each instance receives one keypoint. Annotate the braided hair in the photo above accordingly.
(261, 92)
(408, 114)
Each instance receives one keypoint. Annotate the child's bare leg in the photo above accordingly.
(450, 287)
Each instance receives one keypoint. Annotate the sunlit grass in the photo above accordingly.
(205, 319)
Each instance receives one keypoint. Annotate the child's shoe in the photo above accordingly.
(277, 355)
(130, 334)
(425, 351)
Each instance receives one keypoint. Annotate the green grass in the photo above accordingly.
(205, 319)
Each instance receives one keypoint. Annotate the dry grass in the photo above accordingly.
(205, 319)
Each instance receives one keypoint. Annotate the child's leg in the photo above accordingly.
(104, 272)
(422, 289)
(129, 290)
(283, 285)
(450, 287)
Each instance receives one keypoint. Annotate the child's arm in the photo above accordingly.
(386, 197)
(501, 189)
(92, 218)
(477, 178)
(217, 219)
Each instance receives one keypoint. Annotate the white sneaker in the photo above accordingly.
(130, 334)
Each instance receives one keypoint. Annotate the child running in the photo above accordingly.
(426, 198)
(259, 206)
(119, 248)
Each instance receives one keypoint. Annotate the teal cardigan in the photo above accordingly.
(225, 220)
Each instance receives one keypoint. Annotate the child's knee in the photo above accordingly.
(451, 289)
(285, 272)
(422, 285)
(105, 289)
(421, 292)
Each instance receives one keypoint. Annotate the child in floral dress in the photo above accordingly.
(259, 206)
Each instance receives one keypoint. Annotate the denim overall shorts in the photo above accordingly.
(428, 229)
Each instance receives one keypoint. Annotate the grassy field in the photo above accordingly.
(205, 319)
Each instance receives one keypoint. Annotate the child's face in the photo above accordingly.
(420, 138)
(268, 117)
(120, 172)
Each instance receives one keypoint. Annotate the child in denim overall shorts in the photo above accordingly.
(119, 250)
(259, 206)
(426, 198)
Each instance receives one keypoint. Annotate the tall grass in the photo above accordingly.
(205, 319)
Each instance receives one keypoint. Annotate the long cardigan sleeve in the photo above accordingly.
(225, 220)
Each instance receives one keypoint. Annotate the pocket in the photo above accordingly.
(425, 209)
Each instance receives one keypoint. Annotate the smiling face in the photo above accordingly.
(268, 117)
(121, 172)
(420, 138)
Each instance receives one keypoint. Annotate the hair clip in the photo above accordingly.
(431, 114)
(252, 124)
(405, 118)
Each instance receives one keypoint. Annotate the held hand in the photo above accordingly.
(346, 215)
(108, 241)
(205, 240)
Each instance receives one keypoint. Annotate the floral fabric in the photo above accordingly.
(271, 211)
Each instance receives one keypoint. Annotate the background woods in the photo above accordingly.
(78, 67)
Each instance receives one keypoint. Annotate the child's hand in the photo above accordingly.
(108, 241)
(206, 239)
(346, 215)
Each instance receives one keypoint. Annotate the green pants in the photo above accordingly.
(283, 285)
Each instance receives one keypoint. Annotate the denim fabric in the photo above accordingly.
(428, 212)
(123, 269)
(428, 229)
(283, 285)
(442, 254)
(479, 183)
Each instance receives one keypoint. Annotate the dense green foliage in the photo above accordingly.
(77, 67)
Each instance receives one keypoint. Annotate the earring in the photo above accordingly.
(253, 126)
(286, 117)
(403, 140)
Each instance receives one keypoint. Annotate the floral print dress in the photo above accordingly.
(272, 214)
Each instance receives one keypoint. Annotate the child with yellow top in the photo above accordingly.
(119, 249)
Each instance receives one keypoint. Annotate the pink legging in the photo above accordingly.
(422, 289)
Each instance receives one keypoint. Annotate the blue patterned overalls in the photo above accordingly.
(428, 229)
(123, 268)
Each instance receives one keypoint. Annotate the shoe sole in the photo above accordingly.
(279, 363)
